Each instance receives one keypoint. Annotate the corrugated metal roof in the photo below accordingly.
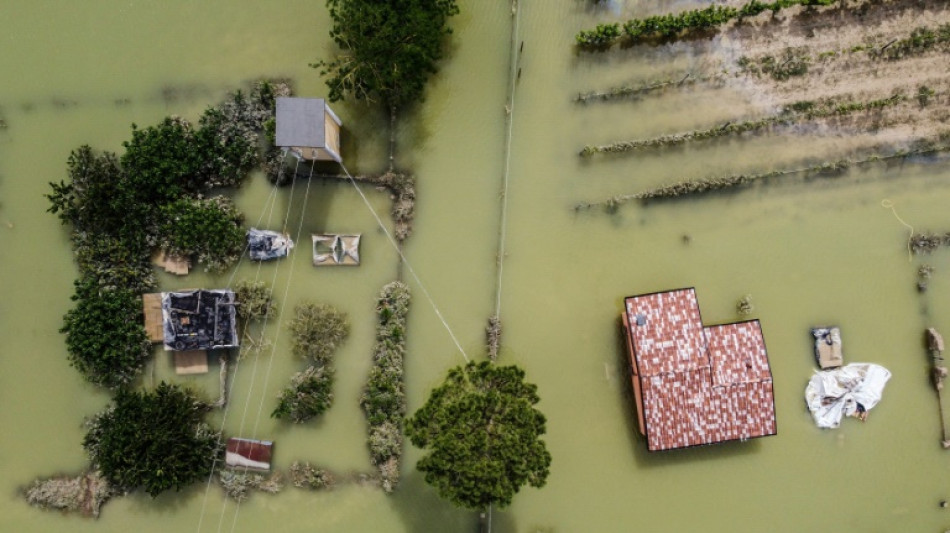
(300, 122)
(698, 385)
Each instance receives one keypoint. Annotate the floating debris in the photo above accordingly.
(923, 277)
(938, 373)
(744, 306)
(266, 244)
(851, 390)
(828, 347)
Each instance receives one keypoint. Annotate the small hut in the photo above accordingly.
(334, 249)
(308, 127)
(249, 453)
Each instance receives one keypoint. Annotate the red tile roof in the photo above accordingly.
(697, 385)
(670, 336)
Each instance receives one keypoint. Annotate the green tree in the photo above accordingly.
(388, 49)
(209, 229)
(155, 441)
(164, 161)
(104, 334)
(482, 433)
(88, 199)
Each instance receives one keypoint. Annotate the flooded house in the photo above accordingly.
(309, 128)
(191, 322)
(696, 384)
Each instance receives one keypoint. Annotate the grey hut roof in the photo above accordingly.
(300, 122)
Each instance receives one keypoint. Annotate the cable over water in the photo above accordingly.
(280, 317)
(269, 209)
(888, 204)
(405, 261)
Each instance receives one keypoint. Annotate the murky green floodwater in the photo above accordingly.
(809, 253)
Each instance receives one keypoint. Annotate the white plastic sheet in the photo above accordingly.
(851, 390)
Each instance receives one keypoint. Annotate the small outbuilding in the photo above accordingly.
(249, 453)
(334, 249)
(199, 320)
(308, 127)
(696, 384)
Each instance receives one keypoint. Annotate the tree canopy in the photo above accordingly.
(482, 434)
(104, 334)
(155, 441)
(388, 48)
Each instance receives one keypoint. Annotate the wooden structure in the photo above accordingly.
(308, 127)
(193, 362)
(333, 249)
(696, 385)
(152, 308)
(828, 347)
(172, 264)
(249, 453)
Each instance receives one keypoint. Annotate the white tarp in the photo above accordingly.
(851, 390)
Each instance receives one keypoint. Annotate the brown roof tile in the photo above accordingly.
(695, 393)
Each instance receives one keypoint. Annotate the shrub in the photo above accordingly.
(306, 476)
(384, 400)
(317, 330)
(309, 394)
(256, 300)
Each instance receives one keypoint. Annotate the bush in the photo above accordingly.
(602, 35)
(237, 484)
(317, 331)
(306, 476)
(678, 24)
(384, 400)
(155, 441)
(113, 262)
(104, 334)
(256, 300)
(310, 394)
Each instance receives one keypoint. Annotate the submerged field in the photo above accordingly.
(809, 251)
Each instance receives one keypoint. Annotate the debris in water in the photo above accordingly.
(851, 390)
(828, 347)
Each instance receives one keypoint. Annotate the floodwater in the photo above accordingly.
(809, 252)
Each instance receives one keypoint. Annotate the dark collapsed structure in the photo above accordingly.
(199, 320)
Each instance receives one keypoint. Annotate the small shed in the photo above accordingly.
(308, 127)
(249, 453)
(199, 320)
(334, 249)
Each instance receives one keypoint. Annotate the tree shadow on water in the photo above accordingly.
(168, 502)
(422, 509)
